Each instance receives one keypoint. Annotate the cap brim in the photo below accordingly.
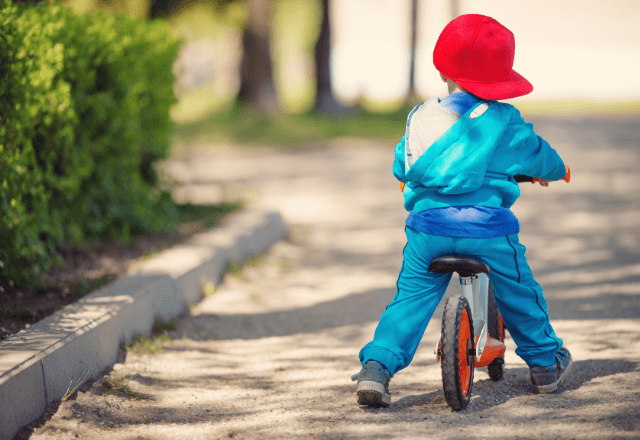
(511, 87)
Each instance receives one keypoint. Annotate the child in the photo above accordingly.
(457, 158)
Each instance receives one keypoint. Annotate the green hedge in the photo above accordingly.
(84, 113)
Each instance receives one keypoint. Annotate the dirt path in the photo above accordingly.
(271, 352)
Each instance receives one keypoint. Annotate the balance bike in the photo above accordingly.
(472, 329)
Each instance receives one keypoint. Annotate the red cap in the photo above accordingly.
(477, 52)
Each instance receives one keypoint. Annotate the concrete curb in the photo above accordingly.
(38, 364)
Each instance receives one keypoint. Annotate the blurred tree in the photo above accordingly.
(256, 72)
(134, 8)
(80, 5)
(455, 8)
(412, 97)
(164, 8)
(324, 95)
(31, 2)
(325, 99)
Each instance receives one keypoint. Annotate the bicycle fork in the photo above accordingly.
(475, 289)
(477, 294)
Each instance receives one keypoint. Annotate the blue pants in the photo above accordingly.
(518, 296)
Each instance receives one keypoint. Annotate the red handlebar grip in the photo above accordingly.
(402, 184)
(566, 178)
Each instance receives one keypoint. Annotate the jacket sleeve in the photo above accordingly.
(533, 154)
(399, 162)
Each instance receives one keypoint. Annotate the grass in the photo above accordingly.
(578, 107)
(237, 270)
(160, 327)
(141, 344)
(79, 382)
(209, 289)
(118, 387)
(207, 215)
(238, 124)
(153, 345)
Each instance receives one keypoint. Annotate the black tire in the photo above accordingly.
(457, 369)
(496, 367)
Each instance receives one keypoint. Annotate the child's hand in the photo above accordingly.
(543, 182)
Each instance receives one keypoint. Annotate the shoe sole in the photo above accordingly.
(546, 389)
(372, 394)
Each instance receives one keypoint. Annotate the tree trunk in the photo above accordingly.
(164, 8)
(29, 2)
(412, 68)
(325, 99)
(256, 86)
(161, 8)
(322, 52)
(455, 9)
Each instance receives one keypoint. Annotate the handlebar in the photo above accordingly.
(522, 178)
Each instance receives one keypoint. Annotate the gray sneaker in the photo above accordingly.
(373, 385)
(546, 379)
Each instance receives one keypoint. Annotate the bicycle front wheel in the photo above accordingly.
(457, 360)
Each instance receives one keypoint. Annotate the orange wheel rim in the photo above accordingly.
(465, 368)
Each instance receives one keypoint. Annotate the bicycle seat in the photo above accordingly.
(465, 266)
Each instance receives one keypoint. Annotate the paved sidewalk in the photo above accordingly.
(270, 354)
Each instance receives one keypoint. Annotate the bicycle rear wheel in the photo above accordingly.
(496, 330)
(457, 360)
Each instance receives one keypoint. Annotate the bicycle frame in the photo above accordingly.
(476, 290)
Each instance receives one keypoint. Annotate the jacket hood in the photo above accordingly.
(449, 152)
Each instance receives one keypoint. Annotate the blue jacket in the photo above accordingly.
(473, 162)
